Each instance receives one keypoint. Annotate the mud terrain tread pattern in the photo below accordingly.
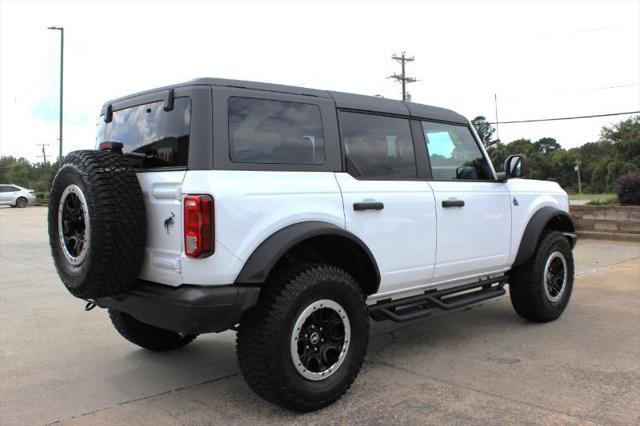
(148, 336)
(526, 289)
(118, 223)
(258, 332)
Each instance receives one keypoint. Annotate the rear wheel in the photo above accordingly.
(21, 202)
(148, 336)
(541, 289)
(304, 343)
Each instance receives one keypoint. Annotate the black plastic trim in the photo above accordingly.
(374, 205)
(263, 259)
(422, 305)
(534, 229)
(188, 309)
(169, 100)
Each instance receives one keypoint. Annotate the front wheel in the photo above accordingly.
(21, 202)
(304, 343)
(540, 289)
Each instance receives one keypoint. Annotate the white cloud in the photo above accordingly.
(539, 57)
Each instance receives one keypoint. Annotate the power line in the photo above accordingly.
(402, 78)
(565, 118)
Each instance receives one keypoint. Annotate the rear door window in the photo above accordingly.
(378, 147)
(160, 137)
(275, 132)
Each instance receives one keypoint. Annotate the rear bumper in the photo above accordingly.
(188, 309)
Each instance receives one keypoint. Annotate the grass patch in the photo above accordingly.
(597, 199)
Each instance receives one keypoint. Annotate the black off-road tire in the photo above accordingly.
(116, 222)
(263, 340)
(148, 336)
(526, 284)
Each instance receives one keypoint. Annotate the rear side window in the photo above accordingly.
(275, 132)
(377, 147)
(161, 136)
(454, 153)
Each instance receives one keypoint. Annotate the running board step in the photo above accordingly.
(421, 305)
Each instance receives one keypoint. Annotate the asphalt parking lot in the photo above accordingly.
(482, 366)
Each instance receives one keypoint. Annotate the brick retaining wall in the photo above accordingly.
(616, 222)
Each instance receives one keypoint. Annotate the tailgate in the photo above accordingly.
(163, 202)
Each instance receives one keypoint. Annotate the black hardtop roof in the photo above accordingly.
(342, 100)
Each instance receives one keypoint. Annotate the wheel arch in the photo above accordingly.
(312, 241)
(545, 218)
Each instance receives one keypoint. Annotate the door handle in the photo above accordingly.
(368, 205)
(452, 203)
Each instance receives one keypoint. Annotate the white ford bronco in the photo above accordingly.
(292, 216)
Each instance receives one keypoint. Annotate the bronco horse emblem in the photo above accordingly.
(168, 222)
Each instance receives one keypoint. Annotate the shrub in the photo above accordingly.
(628, 188)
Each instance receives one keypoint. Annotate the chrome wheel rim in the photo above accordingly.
(555, 276)
(320, 340)
(74, 229)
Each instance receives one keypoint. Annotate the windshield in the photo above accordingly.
(161, 136)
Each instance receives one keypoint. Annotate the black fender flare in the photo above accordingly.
(258, 266)
(538, 222)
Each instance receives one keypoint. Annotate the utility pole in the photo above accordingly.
(44, 153)
(577, 168)
(402, 78)
(61, 29)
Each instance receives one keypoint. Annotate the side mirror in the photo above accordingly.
(515, 166)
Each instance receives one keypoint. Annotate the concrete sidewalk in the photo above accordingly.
(481, 366)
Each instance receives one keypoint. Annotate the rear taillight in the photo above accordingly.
(198, 225)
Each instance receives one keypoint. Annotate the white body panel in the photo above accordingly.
(249, 207)
(401, 236)
(163, 202)
(531, 196)
(476, 237)
(416, 242)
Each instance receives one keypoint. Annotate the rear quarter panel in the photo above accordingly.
(530, 196)
(252, 205)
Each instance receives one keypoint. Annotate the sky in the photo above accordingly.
(542, 59)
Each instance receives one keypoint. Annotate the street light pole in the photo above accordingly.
(579, 181)
(61, 29)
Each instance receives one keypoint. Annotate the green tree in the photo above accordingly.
(617, 152)
(625, 137)
(546, 145)
(485, 131)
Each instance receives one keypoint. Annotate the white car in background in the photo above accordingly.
(16, 196)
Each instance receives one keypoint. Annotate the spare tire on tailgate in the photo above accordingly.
(97, 224)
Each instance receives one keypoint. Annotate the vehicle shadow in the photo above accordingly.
(203, 366)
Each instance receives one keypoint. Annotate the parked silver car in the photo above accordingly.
(16, 196)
